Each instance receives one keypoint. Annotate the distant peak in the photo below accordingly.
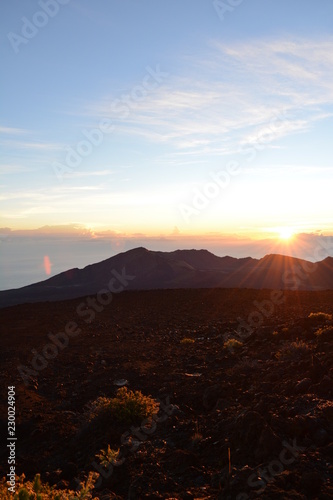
(138, 250)
(193, 250)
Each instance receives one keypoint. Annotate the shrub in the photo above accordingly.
(325, 333)
(108, 456)
(36, 490)
(129, 406)
(96, 408)
(233, 345)
(187, 340)
(319, 317)
(294, 350)
(37, 485)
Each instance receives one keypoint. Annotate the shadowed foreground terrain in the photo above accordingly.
(267, 398)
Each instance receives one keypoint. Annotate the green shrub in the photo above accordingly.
(128, 406)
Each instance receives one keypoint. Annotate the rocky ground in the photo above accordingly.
(236, 421)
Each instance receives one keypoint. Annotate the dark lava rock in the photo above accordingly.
(249, 426)
(326, 384)
(321, 437)
(328, 451)
(211, 396)
(62, 485)
(222, 404)
(285, 480)
(69, 471)
(311, 482)
(268, 444)
(303, 385)
(180, 461)
(302, 425)
(253, 432)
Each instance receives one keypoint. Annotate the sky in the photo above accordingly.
(163, 123)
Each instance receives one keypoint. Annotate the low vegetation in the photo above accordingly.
(325, 332)
(108, 456)
(197, 436)
(130, 406)
(36, 490)
(127, 406)
(233, 345)
(294, 350)
(319, 317)
(187, 340)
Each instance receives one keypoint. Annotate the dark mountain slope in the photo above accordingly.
(141, 269)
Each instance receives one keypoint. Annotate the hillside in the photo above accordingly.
(142, 269)
(267, 397)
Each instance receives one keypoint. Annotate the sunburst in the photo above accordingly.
(286, 233)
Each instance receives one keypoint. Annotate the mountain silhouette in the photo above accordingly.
(142, 269)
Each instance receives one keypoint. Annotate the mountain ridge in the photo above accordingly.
(187, 268)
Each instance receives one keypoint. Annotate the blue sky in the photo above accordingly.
(188, 91)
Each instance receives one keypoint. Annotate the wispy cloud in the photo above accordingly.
(15, 139)
(8, 169)
(39, 146)
(94, 173)
(231, 92)
(12, 131)
(81, 201)
(52, 194)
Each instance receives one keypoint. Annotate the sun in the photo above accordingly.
(286, 233)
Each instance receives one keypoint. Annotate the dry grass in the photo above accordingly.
(295, 350)
(36, 490)
(187, 340)
(319, 317)
(325, 332)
